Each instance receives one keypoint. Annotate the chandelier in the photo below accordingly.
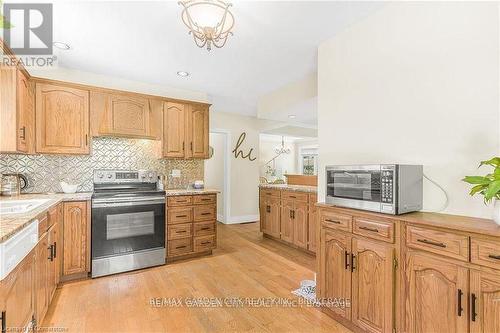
(282, 149)
(209, 21)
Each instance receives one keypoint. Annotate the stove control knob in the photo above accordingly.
(150, 175)
(100, 175)
(110, 175)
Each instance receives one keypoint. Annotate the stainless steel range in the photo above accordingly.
(128, 221)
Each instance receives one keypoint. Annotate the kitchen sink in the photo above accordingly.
(20, 206)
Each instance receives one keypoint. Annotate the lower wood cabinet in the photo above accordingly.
(43, 255)
(270, 216)
(437, 295)
(191, 225)
(17, 296)
(485, 301)
(76, 238)
(286, 223)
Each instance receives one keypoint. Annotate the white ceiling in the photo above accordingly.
(274, 43)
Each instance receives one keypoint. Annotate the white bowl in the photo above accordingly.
(69, 188)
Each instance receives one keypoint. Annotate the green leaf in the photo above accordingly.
(492, 190)
(477, 180)
(4, 24)
(477, 188)
(495, 162)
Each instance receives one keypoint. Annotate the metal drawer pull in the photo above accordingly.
(426, 241)
(4, 321)
(473, 313)
(346, 260)
(205, 243)
(181, 247)
(459, 296)
(353, 258)
(55, 250)
(51, 256)
(180, 216)
(492, 256)
(206, 199)
(333, 221)
(293, 197)
(206, 228)
(181, 231)
(369, 229)
(206, 213)
(182, 201)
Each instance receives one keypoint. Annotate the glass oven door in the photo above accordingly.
(125, 227)
(355, 186)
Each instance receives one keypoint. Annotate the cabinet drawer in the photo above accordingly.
(180, 246)
(204, 213)
(485, 252)
(439, 242)
(179, 215)
(204, 228)
(204, 243)
(290, 195)
(265, 192)
(376, 229)
(181, 200)
(336, 221)
(177, 231)
(204, 199)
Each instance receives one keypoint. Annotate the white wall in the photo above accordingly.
(214, 170)
(414, 83)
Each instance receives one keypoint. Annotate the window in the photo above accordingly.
(308, 160)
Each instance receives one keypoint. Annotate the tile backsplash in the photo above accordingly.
(44, 172)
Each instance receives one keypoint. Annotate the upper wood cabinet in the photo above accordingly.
(17, 118)
(62, 120)
(75, 238)
(437, 295)
(185, 130)
(174, 130)
(198, 131)
(124, 115)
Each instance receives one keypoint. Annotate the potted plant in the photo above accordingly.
(488, 186)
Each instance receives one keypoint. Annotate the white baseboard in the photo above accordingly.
(242, 219)
(220, 217)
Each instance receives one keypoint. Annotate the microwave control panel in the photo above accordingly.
(387, 190)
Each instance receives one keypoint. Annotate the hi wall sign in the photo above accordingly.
(239, 152)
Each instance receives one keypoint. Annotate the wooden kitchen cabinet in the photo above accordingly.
(174, 125)
(17, 119)
(286, 223)
(17, 299)
(300, 224)
(62, 120)
(312, 226)
(42, 274)
(335, 271)
(485, 301)
(125, 115)
(185, 130)
(372, 285)
(437, 295)
(270, 216)
(75, 238)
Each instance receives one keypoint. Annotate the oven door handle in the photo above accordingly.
(136, 202)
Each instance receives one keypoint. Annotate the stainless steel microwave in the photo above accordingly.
(385, 188)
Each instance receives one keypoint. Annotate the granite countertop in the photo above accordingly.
(12, 223)
(174, 192)
(298, 188)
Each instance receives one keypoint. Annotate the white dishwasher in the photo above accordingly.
(14, 249)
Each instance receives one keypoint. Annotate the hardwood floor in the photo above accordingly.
(245, 265)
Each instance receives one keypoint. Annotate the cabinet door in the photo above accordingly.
(198, 131)
(437, 290)
(287, 220)
(335, 272)
(58, 251)
(485, 302)
(372, 285)
(75, 238)
(18, 298)
(128, 116)
(25, 114)
(312, 228)
(274, 217)
(42, 278)
(62, 120)
(174, 130)
(300, 231)
(53, 271)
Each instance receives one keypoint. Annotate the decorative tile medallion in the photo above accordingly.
(44, 172)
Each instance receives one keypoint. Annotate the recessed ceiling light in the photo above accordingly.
(62, 46)
(292, 116)
(183, 74)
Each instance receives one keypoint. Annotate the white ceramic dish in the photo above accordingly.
(69, 188)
